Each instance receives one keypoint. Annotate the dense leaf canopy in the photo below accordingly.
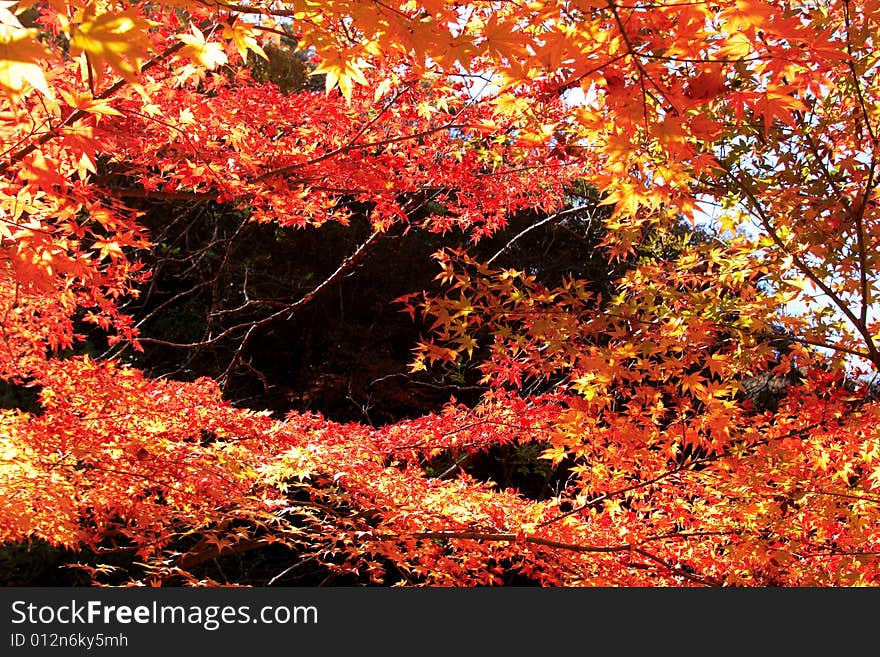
(695, 382)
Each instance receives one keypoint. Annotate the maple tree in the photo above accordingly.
(453, 116)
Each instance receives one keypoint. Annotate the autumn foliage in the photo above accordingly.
(753, 123)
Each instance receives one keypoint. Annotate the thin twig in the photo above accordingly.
(553, 217)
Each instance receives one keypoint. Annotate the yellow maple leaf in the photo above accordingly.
(736, 46)
(342, 71)
(209, 55)
(510, 105)
(119, 39)
(19, 53)
(555, 454)
(87, 103)
(242, 36)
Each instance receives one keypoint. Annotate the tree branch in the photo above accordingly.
(553, 217)
(78, 114)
